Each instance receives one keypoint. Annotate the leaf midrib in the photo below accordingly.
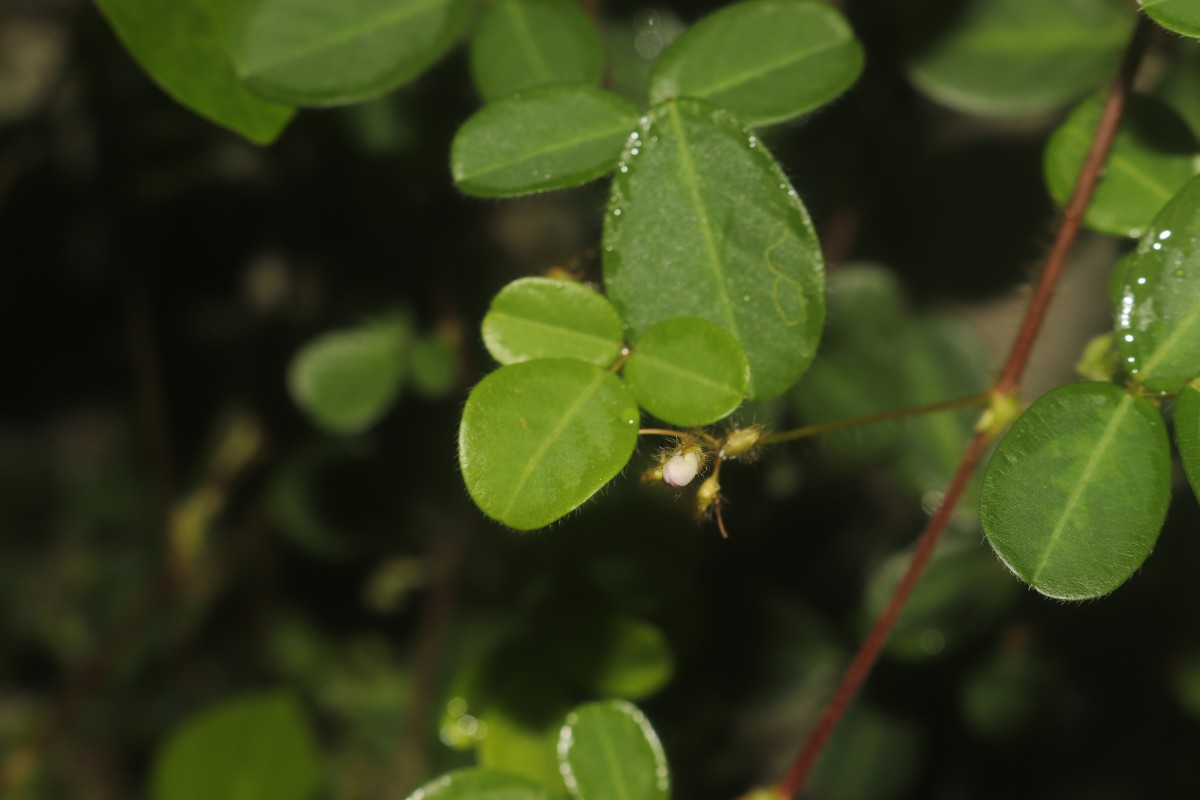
(344, 35)
(557, 147)
(764, 69)
(529, 45)
(563, 422)
(706, 232)
(1082, 484)
(558, 329)
(611, 758)
(1164, 348)
(696, 377)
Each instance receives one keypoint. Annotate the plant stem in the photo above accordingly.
(1006, 383)
(869, 419)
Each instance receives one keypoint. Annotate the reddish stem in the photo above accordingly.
(1006, 383)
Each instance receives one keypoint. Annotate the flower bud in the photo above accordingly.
(706, 495)
(741, 442)
(682, 467)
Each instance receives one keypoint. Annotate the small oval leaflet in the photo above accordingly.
(330, 52)
(1076, 493)
(609, 750)
(539, 438)
(1181, 16)
(1014, 57)
(687, 372)
(1158, 314)
(548, 318)
(764, 60)
(1154, 155)
(542, 139)
(703, 223)
(520, 44)
(258, 745)
(479, 783)
(1187, 433)
(347, 380)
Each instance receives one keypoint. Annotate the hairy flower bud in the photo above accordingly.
(706, 495)
(740, 443)
(682, 467)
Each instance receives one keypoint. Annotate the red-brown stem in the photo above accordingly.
(868, 653)
(1068, 229)
(1006, 383)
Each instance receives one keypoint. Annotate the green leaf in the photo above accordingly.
(1158, 319)
(703, 223)
(764, 60)
(1187, 432)
(1154, 155)
(1180, 87)
(613, 656)
(608, 750)
(523, 706)
(687, 372)
(543, 139)
(477, 783)
(538, 439)
(520, 44)
(184, 45)
(331, 52)
(1077, 491)
(546, 318)
(1005, 696)
(433, 366)
(962, 592)
(347, 380)
(256, 747)
(1014, 57)
(1181, 16)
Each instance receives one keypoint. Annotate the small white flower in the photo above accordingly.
(681, 468)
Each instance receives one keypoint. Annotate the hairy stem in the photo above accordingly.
(900, 413)
(1007, 383)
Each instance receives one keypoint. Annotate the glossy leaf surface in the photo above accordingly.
(687, 371)
(703, 223)
(1014, 57)
(547, 318)
(256, 747)
(347, 380)
(764, 60)
(521, 44)
(539, 438)
(185, 47)
(1158, 317)
(543, 139)
(1154, 155)
(1187, 433)
(330, 52)
(609, 750)
(1075, 495)
(1181, 16)
(478, 783)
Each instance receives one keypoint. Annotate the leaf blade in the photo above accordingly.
(695, 189)
(608, 750)
(764, 60)
(539, 438)
(543, 139)
(1187, 433)
(556, 43)
(1077, 491)
(184, 45)
(547, 318)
